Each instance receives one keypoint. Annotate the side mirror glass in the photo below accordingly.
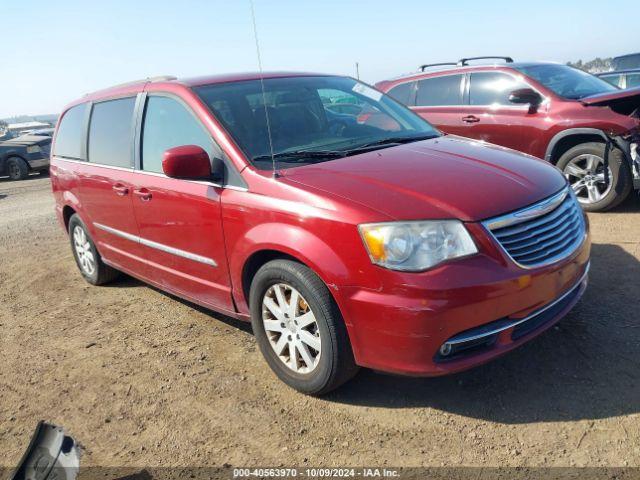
(525, 96)
(186, 161)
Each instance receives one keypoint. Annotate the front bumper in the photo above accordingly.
(38, 160)
(401, 329)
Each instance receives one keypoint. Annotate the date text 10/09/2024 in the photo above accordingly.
(239, 473)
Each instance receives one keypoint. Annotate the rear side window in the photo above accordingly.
(110, 132)
(402, 92)
(168, 124)
(613, 79)
(492, 88)
(437, 91)
(633, 80)
(68, 143)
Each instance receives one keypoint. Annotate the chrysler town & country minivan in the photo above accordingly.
(346, 242)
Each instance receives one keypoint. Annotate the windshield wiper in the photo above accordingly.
(390, 141)
(300, 156)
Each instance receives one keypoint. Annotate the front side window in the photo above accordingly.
(492, 88)
(168, 124)
(68, 142)
(311, 119)
(439, 91)
(111, 132)
(567, 82)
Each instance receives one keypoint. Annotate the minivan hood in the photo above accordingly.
(445, 177)
(624, 102)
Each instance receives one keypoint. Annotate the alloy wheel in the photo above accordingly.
(585, 173)
(291, 328)
(83, 250)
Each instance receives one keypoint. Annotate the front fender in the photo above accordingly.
(293, 241)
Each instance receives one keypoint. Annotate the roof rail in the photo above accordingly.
(159, 78)
(429, 65)
(465, 61)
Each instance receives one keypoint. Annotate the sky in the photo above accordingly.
(55, 51)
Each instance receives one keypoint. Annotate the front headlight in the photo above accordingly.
(416, 246)
(33, 149)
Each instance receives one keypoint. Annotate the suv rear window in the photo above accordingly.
(110, 132)
(68, 142)
(402, 92)
(492, 88)
(435, 91)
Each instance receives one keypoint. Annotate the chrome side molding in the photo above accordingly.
(158, 246)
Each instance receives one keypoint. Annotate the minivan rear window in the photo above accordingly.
(68, 142)
(110, 132)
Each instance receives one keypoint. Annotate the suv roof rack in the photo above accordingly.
(465, 61)
(428, 65)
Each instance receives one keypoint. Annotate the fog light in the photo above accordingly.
(445, 349)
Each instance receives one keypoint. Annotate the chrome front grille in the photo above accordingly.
(542, 233)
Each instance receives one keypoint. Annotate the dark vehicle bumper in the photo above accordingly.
(38, 161)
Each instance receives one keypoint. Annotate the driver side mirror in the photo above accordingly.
(190, 162)
(526, 96)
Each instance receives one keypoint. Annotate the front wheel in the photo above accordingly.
(299, 328)
(17, 168)
(583, 166)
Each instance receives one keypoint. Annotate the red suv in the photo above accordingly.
(388, 246)
(555, 112)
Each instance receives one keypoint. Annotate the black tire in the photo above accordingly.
(336, 364)
(17, 168)
(101, 273)
(620, 174)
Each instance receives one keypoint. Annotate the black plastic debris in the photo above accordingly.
(51, 455)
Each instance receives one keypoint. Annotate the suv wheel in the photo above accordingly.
(89, 261)
(299, 328)
(583, 165)
(17, 168)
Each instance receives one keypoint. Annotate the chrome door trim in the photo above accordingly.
(85, 162)
(155, 174)
(158, 246)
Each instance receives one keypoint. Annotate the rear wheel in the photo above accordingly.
(17, 168)
(299, 328)
(89, 261)
(583, 165)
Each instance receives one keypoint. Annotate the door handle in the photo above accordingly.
(470, 119)
(143, 193)
(120, 189)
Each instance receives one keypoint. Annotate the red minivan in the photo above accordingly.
(346, 242)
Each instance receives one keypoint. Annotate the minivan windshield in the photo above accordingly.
(565, 81)
(311, 119)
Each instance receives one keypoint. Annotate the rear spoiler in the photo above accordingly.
(624, 102)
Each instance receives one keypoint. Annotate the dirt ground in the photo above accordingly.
(141, 378)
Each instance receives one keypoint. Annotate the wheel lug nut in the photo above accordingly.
(290, 338)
